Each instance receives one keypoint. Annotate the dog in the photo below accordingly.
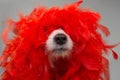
(57, 44)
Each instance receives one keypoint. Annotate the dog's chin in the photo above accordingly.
(57, 55)
(60, 53)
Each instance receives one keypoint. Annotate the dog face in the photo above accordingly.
(58, 45)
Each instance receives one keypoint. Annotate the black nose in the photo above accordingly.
(60, 39)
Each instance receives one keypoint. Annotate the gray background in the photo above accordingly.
(109, 9)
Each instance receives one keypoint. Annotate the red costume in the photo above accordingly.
(24, 56)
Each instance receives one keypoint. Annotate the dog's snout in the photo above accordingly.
(60, 39)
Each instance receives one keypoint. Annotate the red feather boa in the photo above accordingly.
(24, 56)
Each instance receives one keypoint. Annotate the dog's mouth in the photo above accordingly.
(59, 50)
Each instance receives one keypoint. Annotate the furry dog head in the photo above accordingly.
(57, 44)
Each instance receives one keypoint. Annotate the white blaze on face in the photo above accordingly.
(55, 50)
